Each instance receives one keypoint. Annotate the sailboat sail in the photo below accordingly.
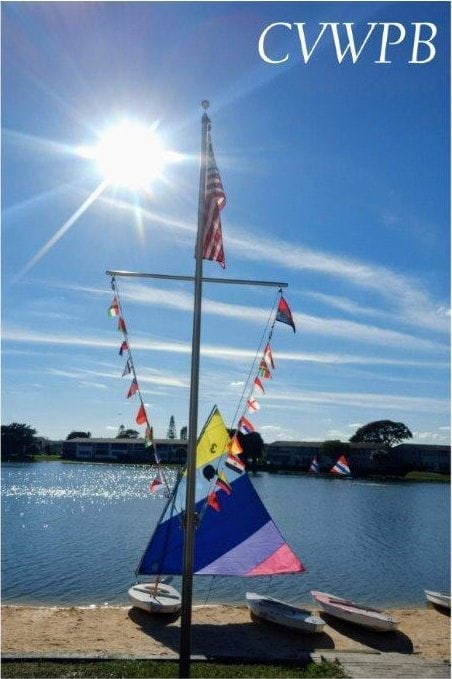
(235, 533)
(341, 467)
(315, 466)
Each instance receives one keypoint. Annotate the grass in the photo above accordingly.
(427, 476)
(24, 669)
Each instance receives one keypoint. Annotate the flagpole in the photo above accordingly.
(190, 519)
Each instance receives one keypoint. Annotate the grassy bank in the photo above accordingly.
(152, 668)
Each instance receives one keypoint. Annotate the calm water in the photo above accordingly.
(72, 534)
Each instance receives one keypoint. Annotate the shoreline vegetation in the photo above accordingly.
(412, 476)
(233, 644)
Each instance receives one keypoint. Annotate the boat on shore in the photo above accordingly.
(155, 597)
(438, 598)
(282, 613)
(352, 612)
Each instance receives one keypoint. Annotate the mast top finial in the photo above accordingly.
(205, 104)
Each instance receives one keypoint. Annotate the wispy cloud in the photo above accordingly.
(385, 402)
(402, 292)
(328, 327)
(227, 353)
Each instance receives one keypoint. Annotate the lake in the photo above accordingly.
(73, 534)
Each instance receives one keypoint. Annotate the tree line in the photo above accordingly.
(19, 441)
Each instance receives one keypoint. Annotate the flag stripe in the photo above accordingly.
(215, 200)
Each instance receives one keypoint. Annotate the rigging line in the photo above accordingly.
(218, 468)
(245, 388)
(124, 330)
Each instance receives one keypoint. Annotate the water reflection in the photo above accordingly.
(74, 533)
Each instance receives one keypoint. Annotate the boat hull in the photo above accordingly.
(349, 611)
(438, 598)
(283, 614)
(156, 599)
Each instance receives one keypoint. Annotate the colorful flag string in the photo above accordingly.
(265, 366)
(115, 310)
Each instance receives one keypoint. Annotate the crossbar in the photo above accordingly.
(231, 281)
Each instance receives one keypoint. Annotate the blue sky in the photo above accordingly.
(337, 182)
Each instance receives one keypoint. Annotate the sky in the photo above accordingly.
(336, 175)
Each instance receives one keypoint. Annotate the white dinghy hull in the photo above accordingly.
(284, 614)
(161, 598)
(349, 611)
(438, 598)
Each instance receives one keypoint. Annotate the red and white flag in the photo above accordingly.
(268, 356)
(155, 484)
(259, 384)
(252, 404)
(215, 200)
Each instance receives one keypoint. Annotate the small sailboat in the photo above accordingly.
(341, 467)
(235, 534)
(438, 598)
(282, 613)
(155, 597)
(315, 466)
(354, 613)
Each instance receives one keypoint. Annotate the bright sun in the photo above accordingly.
(130, 154)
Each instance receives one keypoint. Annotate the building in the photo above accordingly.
(124, 450)
(362, 457)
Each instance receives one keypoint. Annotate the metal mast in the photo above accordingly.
(190, 518)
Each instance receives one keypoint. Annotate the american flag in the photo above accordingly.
(215, 199)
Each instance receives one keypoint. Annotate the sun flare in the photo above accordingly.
(130, 154)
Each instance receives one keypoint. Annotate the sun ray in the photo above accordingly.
(61, 231)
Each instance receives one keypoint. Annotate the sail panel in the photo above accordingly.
(237, 538)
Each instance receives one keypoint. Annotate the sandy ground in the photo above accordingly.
(216, 631)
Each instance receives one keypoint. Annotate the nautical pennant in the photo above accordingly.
(212, 501)
(114, 307)
(284, 314)
(234, 446)
(245, 426)
(155, 484)
(264, 371)
(215, 200)
(133, 388)
(141, 415)
(124, 346)
(122, 325)
(127, 369)
(222, 483)
(259, 384)
(252, 404)
(233, 462)
(268, 357)
(149, 437)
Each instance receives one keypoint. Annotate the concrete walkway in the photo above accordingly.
(386, 665)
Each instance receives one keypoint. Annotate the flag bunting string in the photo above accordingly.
(265, 367)
(115, 310)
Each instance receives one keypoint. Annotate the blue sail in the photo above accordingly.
(235, 534)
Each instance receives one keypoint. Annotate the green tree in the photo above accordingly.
(385, 432)
(184, 433)
(78, 435)
(335, 448)
(128, 434)
(172, 428)
(252, 445)
(17, 440)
